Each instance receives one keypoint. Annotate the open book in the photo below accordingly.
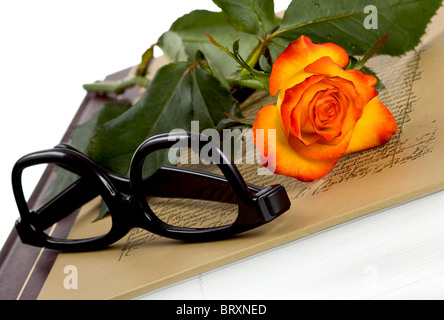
(409, 166)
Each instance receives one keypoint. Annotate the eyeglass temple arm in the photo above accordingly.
(69, 200)
(173, 182)
(177, 182)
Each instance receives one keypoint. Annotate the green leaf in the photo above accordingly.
(259, 77)
(147, 56)
(179, 93)
(351, 65)
(379, 84)
(276, 45)
(80, 138)
(211, 68)
(188, 35)
(370, 53)
(103, 211)
(342, 22)
(173, 47)
(264, 64)
(251, 16)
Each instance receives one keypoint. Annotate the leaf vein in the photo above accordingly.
(340, 16)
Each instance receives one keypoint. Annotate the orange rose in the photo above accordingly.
(323, 111)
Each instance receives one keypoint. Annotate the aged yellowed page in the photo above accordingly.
(410, 165)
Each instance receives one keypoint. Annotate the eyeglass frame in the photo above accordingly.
(126, 197)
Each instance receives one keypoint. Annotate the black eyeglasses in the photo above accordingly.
(137, 202)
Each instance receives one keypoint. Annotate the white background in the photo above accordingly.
(48, 49)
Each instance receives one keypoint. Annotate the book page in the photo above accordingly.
(409, 166)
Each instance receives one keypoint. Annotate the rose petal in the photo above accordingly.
(350, 99)
(300, 114)
(376, 127)
(281, 156)
(338, 146)
(293, 81)
(303, 124)
(293, 97)
(321, 151)
(328, 113)
(298, 55)
(364, 83)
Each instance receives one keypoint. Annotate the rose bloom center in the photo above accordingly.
(327, 112)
